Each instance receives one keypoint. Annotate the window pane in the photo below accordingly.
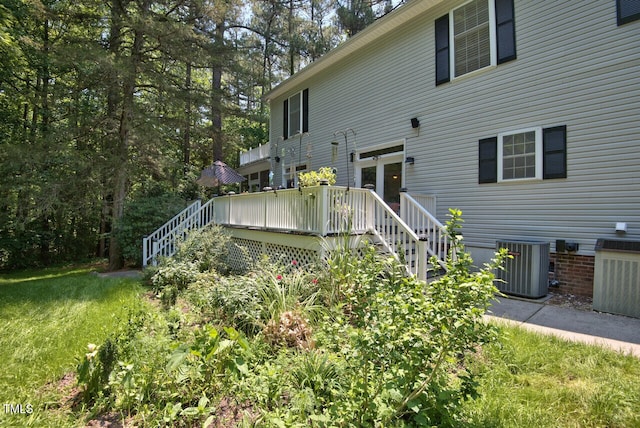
(294, 115)
(519, 155)
(471, 37)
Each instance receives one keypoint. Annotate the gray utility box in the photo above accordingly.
(616, 277)
(527, 273)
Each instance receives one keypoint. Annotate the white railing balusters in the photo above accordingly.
(426, 226)
(161, 242)
(319, 210)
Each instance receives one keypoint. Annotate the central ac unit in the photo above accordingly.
(616, 282)
(526, 273)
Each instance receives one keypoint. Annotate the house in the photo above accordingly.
(523, 114)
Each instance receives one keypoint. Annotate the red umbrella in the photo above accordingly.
(219, 173)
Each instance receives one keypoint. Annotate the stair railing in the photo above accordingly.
(163, 241)
(426, 227)
(397, 237)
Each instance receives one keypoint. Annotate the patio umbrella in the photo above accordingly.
(219, 173)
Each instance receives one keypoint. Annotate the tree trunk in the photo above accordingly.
(121, 153)
(186, 142)
(216, 94)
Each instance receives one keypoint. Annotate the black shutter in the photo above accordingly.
(628, 10)
(488, 160)
(305, 110)
(285, 120)
(505, 30)
(554, 149)
(442, 50)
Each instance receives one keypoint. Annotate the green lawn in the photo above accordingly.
(533, 380)
(47, 318)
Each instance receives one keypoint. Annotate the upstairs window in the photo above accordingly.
(628, 10)
(296, 114)
(471, 37)
(478, 34)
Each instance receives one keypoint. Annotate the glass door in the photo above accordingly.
(385, 173)
(392, 185)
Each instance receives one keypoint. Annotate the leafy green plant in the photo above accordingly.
(312, 178)
(145, 210)
(171, 277)
(208, 248)
(406, 341)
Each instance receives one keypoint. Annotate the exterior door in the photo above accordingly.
(385, 173)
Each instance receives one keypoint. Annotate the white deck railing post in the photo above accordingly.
(323, 209)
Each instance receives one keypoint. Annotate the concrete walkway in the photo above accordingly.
(614, 331)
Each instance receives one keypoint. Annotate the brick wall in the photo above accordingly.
(574, 272)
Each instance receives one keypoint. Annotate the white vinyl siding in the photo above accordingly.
(575, 67)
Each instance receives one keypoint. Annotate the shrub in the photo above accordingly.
(312, 178)
(405, 342)
(144, 212)
(208, 248)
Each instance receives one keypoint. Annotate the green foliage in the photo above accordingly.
(204, 254)
(312, 178)
(406, 344)
(143, 213)
(208, 248)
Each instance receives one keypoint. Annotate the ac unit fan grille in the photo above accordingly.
(526, 274)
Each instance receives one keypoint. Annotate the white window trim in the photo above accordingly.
(493, 44)
(539, 155)
(299, 126)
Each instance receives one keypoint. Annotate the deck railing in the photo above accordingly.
(255, 154)
(319, 210)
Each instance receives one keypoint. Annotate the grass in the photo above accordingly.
(48, 317)
(532, 380)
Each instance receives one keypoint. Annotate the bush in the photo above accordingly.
(312, 178)
(208, 248)
(405, 344)
(144, 212)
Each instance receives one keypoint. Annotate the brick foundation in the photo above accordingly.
(574, 272)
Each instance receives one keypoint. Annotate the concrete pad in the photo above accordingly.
(591, 323)
(617, 332)
(514, 309)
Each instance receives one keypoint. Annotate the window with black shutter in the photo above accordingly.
(628, 11)
(528, 154)
(296, 114)
(554, 143)
(464, 38)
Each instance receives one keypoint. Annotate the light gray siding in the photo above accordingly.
(575, 67)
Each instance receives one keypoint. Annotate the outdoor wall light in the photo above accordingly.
(410, 160)
(415, 123)
(277, 159)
